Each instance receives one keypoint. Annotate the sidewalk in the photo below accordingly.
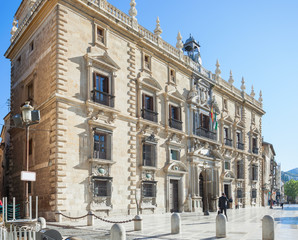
(243, 224)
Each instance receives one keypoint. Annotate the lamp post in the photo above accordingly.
(28, 118)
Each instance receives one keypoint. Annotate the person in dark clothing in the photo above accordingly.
(222, 204)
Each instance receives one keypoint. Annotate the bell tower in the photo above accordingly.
(192, 47)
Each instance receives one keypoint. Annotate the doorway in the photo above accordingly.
(227, 191)
(173, 201)
(202, 191)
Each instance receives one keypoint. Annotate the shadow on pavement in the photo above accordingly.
(287, 220)
(156, 236)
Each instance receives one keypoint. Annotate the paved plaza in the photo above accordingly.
(243, 224)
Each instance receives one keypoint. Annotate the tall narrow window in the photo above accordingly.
(30, 92)
(148, 189)
(205, 121)
(175, 155)
(240, 174)
(147, 62)
(102, 187)
(102, 145)
(172, 75)
(148, 109)
(175, 117)
(101, 90)
(255, 149)
(254, 173)
(30, 147)
(149, 154)
(31, 46)
(100, 35)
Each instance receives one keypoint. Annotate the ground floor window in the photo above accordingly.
(149, 189)
(102, 186)
(254, 193)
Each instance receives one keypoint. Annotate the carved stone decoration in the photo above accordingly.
(150, 138)
(252, 94)
(89, 112)
(112, 118)
(148, 175)
(243, 85)
(179, 44)
(260, 98)
(231, 80)
(217, 70)
(13, 29)
(192, 94)
(176, 138)
(101, 170)
(133, 11)
(158, 30)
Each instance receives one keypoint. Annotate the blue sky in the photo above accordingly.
(255, 39)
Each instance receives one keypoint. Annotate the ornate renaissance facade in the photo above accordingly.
(121, 111)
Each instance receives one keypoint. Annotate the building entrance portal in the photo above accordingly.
(173, 201)
(227, 191)
(202, 192)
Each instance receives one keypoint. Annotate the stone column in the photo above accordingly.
(181, 193)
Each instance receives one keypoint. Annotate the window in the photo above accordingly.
(172, 75)
(148, 109)
(30, 91)
(205, 121)
(227, 139)
(102, 187)
(29, 187)
(255, 149)
(31, 46)
(100, 35)
(149, 154)
(175, 155)
(227, 165)
(101, 90)
(102, 145)
(254, 172)
(239, 193)
(175, 117)
(254, 193)
(240, 174)
(147, 62)
(240, 145)
(148, 189)
(19, 61)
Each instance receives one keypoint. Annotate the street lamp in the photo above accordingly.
(28, 118)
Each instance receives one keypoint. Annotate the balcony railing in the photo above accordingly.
(228, 142)
(206, 133)
(255, 150)
(149, 115)
(103, 98)
(174, 123)
(240, 145)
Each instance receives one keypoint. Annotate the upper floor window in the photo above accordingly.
(102, 90)
(149, 154)
(240, 144)
(147, 62)
(30, 147)
(31, 46)
(227, 165)
(172, 75)
(175, 117)
(255, 148)
(175, 154)
(254, 172)
(205, 121)
(227, 138)
(202, 126)
(102, 145)
(254, 193)
(100, 35)
(240, 172)
(148, 108)
(30, 91)
(239, 193)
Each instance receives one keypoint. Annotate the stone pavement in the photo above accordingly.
(243, 224)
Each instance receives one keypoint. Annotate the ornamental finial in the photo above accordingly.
(133, 11)
(243, 85)
(157, 30)
(231, 80)
(252, 94)
(13, 29)
(217, 70)
(260, 98)
(179, 44)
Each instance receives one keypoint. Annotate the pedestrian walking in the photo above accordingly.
(222, 204)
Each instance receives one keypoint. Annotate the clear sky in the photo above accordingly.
(255, 39)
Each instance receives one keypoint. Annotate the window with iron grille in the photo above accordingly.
(102, 187)
(254, 193)
(240, 168)
(149, 154)
(227, 165)
(239, 193)
(148, 189)
(102, 145)
(254, 172)
(102, 90)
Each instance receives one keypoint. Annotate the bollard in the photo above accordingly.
(175, 223)
(221, 226)
(58, 216)
(42, 221)
(138, 223)
(267, 228)
(118, 232)
(90, 219)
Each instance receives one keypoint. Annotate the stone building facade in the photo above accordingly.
(123, 111)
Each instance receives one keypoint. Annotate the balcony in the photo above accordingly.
(174, 123)
(228, 142)
(240, 145)
(255, 150)
(202, 132)
(103, 98)
(149, 115)
(99, 154)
